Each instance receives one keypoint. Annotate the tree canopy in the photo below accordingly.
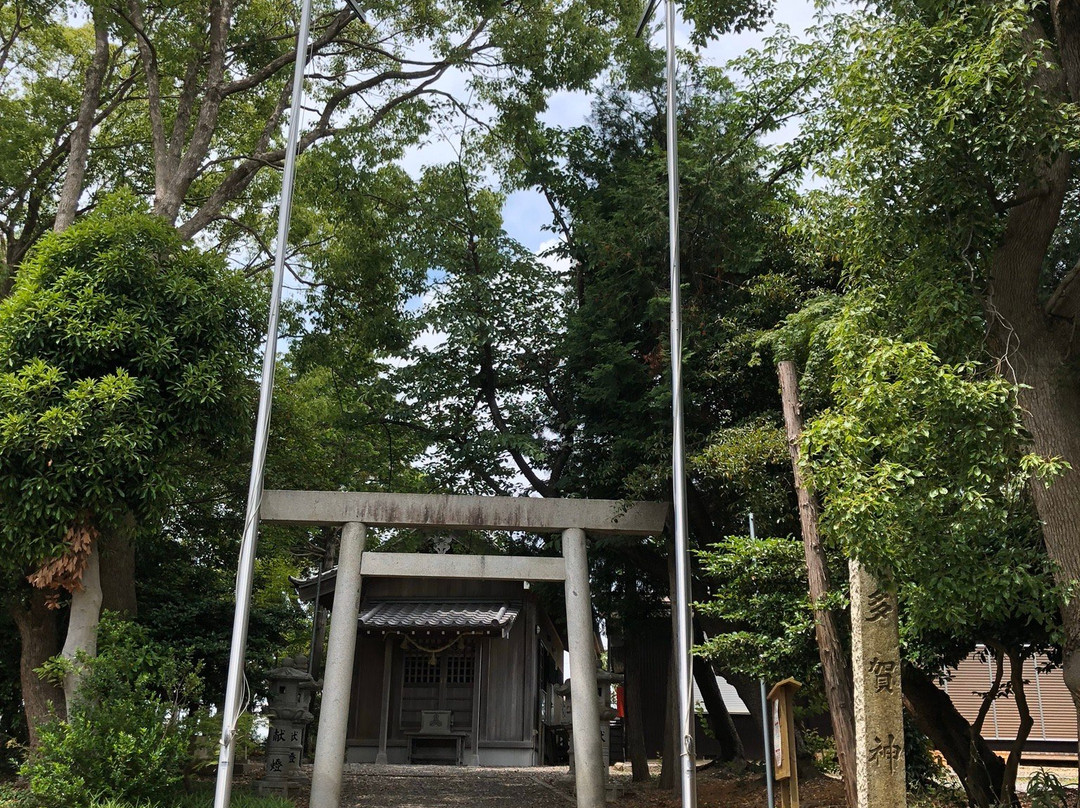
(121, 346)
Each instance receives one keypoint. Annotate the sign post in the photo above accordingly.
(781, 708)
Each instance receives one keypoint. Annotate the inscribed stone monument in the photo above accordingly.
(879, 717)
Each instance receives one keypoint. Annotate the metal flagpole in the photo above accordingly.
(687, 752)
(235, 691)
(681, 595)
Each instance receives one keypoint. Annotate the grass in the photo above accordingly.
(203, 797)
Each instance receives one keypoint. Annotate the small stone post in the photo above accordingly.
(291, 688)
(879, 716)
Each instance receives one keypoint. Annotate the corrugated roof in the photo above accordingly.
(489, 617)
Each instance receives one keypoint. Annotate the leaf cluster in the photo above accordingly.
(120, 346)
(763, 603)
(127, 737)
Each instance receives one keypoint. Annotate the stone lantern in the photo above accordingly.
(604, 680)
(291, 689)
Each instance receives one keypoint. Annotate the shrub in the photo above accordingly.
(129, 733)
(14, 797)
(921, 768)
(1046, 791)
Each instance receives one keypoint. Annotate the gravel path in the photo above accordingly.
(449, 787)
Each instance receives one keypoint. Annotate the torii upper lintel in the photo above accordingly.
(455, 512)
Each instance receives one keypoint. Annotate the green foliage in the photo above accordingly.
(1046, 791)
(822, 748)
(938, 796)
(763, 601)
(487, 338)
(921, 467)
(129, 735)
(12, 718)
(12, 796)
(922, 770)
(749, 464)
(240, 799)
(738, 270)
(121, 346)
(923, 119)
(42, 60)
(186, 588)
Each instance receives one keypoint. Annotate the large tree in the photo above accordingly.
(121, 347)
(187, 103)
(947, 131)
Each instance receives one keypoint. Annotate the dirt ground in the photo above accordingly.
(720, 789)
(548, 787)
(371, 786)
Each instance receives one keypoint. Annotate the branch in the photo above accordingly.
(9, 41)
(1063, 302)
(488, 386)
(989, 696)
(168, 205)
(340, 20)
(148, 56)
(1008, 784)
(241, 176)
(184, 106)
(1066, 17)
(84, 124)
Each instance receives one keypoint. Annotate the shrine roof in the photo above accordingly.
(478, 617)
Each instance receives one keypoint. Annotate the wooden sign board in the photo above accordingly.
(781, 708)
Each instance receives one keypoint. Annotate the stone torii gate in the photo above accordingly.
(355, 512)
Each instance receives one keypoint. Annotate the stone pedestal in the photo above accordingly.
(879, 716)
(291, 688)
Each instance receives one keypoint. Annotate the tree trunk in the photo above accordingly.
(749, 690)
(634, 720)
(720, 723)
(68, 203)
(669, 767)
(1016, 748)
(117, 565)
(83, 621)
(979, 769)
(716, 712)
(835, 664)
(1036, 349)
(39, 641)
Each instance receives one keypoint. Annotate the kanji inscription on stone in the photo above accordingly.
(882, 672)
(886, 752)
(879, 718)
(878, 605)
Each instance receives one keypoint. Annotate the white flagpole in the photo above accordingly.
(682, 596)
(235, 691)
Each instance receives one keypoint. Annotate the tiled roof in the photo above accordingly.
(489, 617)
